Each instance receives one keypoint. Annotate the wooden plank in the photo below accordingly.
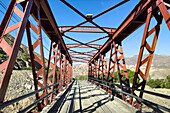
(118, 106)
(76, 100)
(92, 101)
(101, 100)
(67, 105)
(85, 97)
(86, 103)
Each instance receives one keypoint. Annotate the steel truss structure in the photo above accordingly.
(61, 55)
(44, 18)
(144, 11)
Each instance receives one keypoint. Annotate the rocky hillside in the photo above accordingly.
(80, 69)
(23, 57)
(160, 67)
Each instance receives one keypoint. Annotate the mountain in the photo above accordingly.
(160, 67)
(80, 69)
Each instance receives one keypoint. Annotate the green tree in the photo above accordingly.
(130, 73)
(168, 78)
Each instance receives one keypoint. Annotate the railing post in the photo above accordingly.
(92, 67)
(64, 69)
(71, 71)
(66, 72)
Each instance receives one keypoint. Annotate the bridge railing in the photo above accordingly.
(28, 108)
(150, 104)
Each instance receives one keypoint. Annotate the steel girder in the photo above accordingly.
(90, 42)
(80, 53)
(80, 61)
(31, 7)
(50, 27)
(55, 66)
(121, 65)
(102, 74)
(150, 48)
(83, 46)
(86, 29)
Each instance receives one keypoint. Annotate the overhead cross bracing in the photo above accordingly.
(87, 29)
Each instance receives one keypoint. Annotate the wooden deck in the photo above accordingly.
(86, 97)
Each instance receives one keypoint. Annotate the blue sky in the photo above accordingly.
(67, 17)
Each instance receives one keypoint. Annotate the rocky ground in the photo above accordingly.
(158, 100)
(20, 83)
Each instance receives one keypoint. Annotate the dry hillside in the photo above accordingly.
(160, 67)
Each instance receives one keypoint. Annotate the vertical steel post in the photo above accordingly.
(111, 67)
(42, 54)
(8, 65)
(32, 62)
(103, 69)
(60, 66)
(89, 71)
(120, 61)
(150, 49)
(54, 66)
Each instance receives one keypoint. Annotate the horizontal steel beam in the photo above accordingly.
(84, 53)
(73, 58)
(81, 57)
(80, 61)
(86, 29)
(83, 46)
(80, 42)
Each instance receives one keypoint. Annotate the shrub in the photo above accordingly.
(81, 77)
(50, 78)
(3, 56)
(130, 73)
(158, 83)
(167, 85)
(168, 78)
(26, 68)
(24, 58)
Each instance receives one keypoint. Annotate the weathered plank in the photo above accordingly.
(84, 97)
